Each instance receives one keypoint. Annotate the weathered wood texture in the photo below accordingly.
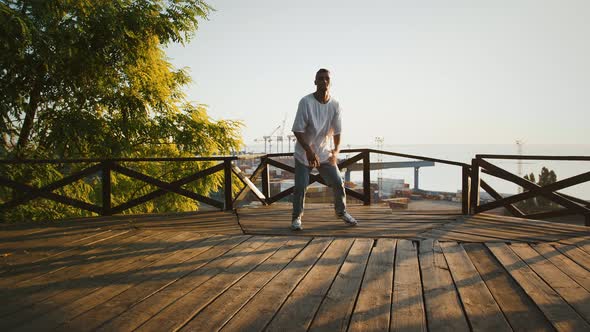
(380, 222)
(321, 220)
(87, 276)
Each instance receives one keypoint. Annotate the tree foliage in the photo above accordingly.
(90, 78)
(539, 204)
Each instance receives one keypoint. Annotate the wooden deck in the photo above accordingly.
(380, 221)
(407, 271)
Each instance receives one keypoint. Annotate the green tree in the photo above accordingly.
(90, 78)
(538, 204)
(546, 177)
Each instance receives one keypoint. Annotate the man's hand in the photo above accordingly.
(334, 157)
(312, 158)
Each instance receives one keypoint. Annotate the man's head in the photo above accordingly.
(322, 80)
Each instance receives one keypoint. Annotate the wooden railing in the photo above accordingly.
(569, 205)
(104, 168)
(359, 155)
(471, 183)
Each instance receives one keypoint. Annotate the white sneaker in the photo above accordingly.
(296, 224)
(348, 219)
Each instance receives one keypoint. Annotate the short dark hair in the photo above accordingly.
(322, 70)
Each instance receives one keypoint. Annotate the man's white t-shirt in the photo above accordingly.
(318, 122)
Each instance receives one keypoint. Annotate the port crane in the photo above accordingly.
(267, 139)
(280, 138)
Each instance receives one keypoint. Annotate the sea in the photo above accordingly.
(447, 178)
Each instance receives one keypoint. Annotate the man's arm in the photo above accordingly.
(336, 150)
(336, 143)
(312, 158)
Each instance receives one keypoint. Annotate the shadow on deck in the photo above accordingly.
(214, 271)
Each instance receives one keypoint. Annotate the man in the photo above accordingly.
(316, 123)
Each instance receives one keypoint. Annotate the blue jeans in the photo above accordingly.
(331, 176)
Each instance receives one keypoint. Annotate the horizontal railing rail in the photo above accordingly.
(104, 167)
(569, 205)
(100, 160)
(471, 182)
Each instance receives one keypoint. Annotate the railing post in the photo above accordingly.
(465, 187)
(265, 179)
(227, 186)
(367, 177)
(106, 188)
(474, 191)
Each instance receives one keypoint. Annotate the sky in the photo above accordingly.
(412, 72)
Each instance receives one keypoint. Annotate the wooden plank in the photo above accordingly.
(177, 189)
(530, 186)
(27, 235)
(199, 221)
(300, 307)
(510, 207)
(530, 227)
(565, 264)
(506, 233)
(113, 299)
(443, 306)
(574, 294)
(279, 196)
(340, 229)
(520, 311)
(67, 255)
(60, 294)
(106, 181)
(216, 314)
(407, 310)
(336, 309)
(492, 231)
(548, 224)
(503, 232)
(332, 221)
(33, 249)
(558, 312)
(477, 300)
(310, 227)
(36, 264)
(249, 186)
(576, 254)
(540, 191)
(350, 161)
(373, 308)
(255, 315)
(449, 213)
(177, 183)
(582, 242)
(227, 186)
(475, 182)
(499, 234)
(38, 289)
(367, 177)
(465, 189)
(533, 157)
(450, 235)
(549, 234)
(11, 231)
(184, 308)
(209, 264)
(45, 195)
